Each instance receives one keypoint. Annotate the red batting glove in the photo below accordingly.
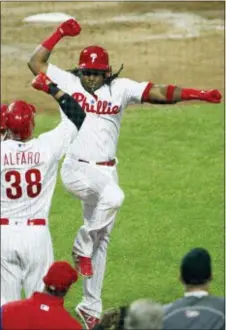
(212, 95)
(41, 82)
(69, 28)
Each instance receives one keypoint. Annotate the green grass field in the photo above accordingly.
(171, 168)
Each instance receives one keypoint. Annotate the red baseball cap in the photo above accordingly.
(60, 275)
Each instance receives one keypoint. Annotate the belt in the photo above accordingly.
(107, 163)
(29, 222)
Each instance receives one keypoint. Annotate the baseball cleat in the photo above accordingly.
(88, 320)
(85, 266)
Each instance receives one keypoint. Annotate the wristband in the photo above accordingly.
(145, 95)
(53, 89)
(191, 94)
(169, 92)
(51, 41)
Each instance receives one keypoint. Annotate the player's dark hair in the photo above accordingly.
(56, 293)
(113, 76)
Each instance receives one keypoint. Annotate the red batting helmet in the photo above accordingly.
(20, 119)
(4, 108)
(94, 57)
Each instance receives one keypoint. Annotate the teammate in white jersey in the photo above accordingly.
(28, 177)
(89, 170)
(4, 136)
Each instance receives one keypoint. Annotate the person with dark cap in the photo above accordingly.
(197, 309)
(44, 310)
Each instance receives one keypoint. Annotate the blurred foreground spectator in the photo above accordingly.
(44, 310)
(144, 314)
(197, 309)
(141, 314)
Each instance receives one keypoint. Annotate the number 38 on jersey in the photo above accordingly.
(31, 180)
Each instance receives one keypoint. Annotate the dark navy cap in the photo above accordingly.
(196, 267)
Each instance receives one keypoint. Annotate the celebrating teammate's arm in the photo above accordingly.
(160, 94)
(69, 106)
(38, 61)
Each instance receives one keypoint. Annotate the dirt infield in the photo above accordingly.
(179, 43)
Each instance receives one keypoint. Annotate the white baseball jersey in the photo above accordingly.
(29, 172)
(98, 137)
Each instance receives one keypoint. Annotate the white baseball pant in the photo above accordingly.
(26, 255)
(97, 187)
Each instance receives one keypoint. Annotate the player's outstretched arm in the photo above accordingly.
(173, 94)
(69, 106)
(38, 61)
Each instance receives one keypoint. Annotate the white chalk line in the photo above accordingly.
(183, 24)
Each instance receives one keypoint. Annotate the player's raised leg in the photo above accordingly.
(100, 205)
(110, 200)
(93, 187)
(91, 303)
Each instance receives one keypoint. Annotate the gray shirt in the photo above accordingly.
(195, 312)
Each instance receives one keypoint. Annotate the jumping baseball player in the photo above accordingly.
(3, 129)
(28, 177)
(89, 170)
